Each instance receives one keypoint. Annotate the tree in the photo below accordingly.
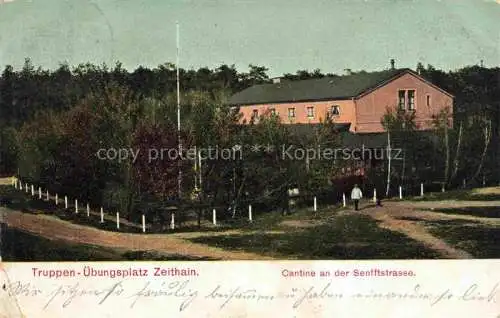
(399, 126)
(256, 75)
(456, 161)
(441, 123)
(8, 150)
(304, 74)
(486, 125)
(155, 170)
(8, 112)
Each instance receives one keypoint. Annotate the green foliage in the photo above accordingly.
(345, 237)
(54, 122)
(8, 150)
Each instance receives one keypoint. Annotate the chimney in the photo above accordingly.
(392, 64)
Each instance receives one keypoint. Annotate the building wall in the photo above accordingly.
(365, 113)
(371, 107)
(346, 109)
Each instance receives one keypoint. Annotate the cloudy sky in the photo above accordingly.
(283, 35)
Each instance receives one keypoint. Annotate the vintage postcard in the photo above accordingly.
(249, 158)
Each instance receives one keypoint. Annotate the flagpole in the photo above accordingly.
(179, 177)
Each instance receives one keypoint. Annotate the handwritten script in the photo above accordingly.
(184, 294)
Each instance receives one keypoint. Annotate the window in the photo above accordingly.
(411, 99)
(406, 99)
(335, 111)
(401, 99)
(310, 112)
(291, 112)
(428, 100)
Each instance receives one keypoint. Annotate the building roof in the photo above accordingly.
(374, 140)
(366, 140)
(352, 140)
(326, 88)
(347, 138)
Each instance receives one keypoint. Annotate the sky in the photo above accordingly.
(282, 35)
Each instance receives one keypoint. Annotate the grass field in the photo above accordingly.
(345, 237)
(480, 241)
(480, 194)
(483, 212)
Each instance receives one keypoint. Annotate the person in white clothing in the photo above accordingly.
(356, 195)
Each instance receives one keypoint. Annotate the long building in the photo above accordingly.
(358, 100)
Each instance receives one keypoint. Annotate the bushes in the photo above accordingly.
(8, 151)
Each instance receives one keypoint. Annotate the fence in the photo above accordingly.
(216, 214)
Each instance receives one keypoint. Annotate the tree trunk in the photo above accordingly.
(238, 196)
(404, 167)
(487, 140)
(389, 150)
(199, 217)
(456, 162)
(447, 149)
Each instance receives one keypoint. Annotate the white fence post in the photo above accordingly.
(344, 200)
(39, 193)
(57, 199)
(172, 222)
(65, 201)
(143, 223)
(484, 181)
(88, 210)
(32, 190)
(76, 206)
(214, 217)
(374, 195)
(48, 196)
(250, 212)
(315, 205)
(26, 187)
(400, 192)
(421, 189)
(118, 220)
(102, 215)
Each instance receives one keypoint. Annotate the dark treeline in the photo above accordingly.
(25, 92)
(53, 123)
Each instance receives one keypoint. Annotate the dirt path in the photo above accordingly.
(390, 216)
(448, 204)
(53, 228)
